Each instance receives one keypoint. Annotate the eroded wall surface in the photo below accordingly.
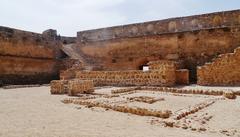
(19, 70)
(29, 58)
(192, 40)
(223, 71)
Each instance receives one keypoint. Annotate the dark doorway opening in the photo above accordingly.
(192, 67)
(193, 76)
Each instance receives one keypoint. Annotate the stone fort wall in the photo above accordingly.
(29, 58)
(193, 40)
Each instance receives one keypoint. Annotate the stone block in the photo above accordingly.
(59, 87)
(229, 95)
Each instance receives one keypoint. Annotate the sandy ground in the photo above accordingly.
(33, 112)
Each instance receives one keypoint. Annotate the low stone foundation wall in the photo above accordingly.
(71, 87)
(129, 78)
(126, 109)
(161, 73)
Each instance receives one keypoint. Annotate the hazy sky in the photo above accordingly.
(70, 16)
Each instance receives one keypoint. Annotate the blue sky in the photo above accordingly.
(70, 16)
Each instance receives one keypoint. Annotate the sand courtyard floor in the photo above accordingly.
(34, 112)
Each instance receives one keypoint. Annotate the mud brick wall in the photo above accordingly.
(223, 71)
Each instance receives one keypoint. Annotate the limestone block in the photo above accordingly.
(229, 95)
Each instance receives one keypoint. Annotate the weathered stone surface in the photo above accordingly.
(162, 64)
(145, 99)
(133, 110)
(192, 40)
(19, 70)
(182, 77)
(229, 95)
(223, 71)
(118, 91)
(195, 40)
(80, 86)
(129, 78)
(173, 25)
(193, 48)
(161, 76)
(59, 87)
(29, 58)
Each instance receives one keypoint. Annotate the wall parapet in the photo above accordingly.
(172, 25)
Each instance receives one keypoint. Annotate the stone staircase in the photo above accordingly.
(223, 70)
(72, 51)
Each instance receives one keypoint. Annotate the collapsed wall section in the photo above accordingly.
(223, 71)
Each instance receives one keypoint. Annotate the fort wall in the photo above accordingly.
(193, 48)
(29, 58)
(193, 40)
